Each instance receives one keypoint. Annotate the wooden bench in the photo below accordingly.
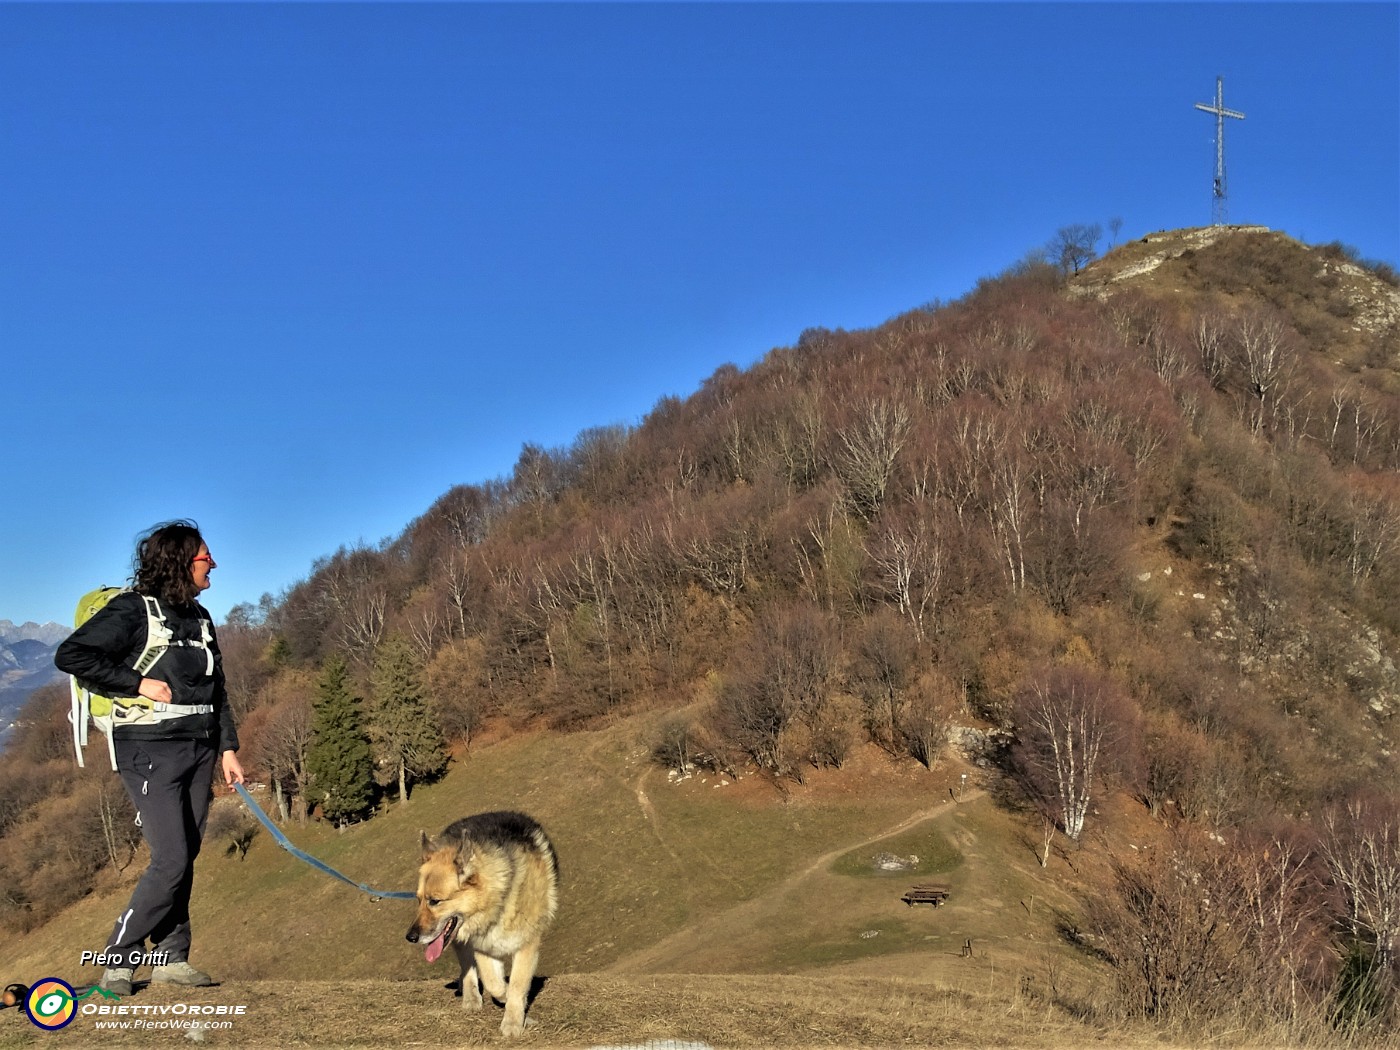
(926, 894)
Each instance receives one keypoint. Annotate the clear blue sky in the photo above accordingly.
(294, 270)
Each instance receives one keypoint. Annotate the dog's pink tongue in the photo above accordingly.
(436, 946)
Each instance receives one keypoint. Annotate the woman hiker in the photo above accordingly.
(167, 757)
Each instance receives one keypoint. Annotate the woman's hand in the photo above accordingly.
(233, 769)
(154, 690)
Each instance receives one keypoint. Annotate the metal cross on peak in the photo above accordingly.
(1218, 212)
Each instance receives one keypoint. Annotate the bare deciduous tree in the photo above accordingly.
(1265, 356)
(537, 475)
(1372, 523)
(783, 678)
(1361, 842)
(829, 559)
(116, 813)
(1008, 510)
(1284, 918)
(456, 683)
(465, 583)
(471, 510)
(1357, 422)
(926, 718)
(1075, 246)
(868, 451)
(1211, 348)
(886, 659)
(359, 599)
(799, 439)
(1170, 927)
(279, 737)
(908, 558)
(1065, 718)
(1172, 754)
(715, 551)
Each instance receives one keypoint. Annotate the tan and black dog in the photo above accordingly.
(489, 886)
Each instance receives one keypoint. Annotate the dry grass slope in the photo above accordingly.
(589, 1010)
(737, 915)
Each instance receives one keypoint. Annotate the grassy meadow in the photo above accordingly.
(737, 913)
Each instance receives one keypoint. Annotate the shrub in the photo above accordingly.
(234, 825)
(675, 746)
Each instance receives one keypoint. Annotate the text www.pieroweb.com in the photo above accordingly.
(151, 1024)
(162, 1017)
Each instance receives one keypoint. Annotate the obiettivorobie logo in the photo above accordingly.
(52, 1004)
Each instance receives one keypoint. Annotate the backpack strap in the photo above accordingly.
(78, 716)
(138, 712)
(157, 637)
(206, 631)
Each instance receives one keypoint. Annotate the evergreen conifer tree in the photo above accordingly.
(338, 760)
(408, 744)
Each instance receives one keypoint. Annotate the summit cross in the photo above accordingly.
(1219, 212)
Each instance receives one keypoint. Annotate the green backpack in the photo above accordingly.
(108, 712)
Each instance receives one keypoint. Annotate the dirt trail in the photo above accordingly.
(742, 914)
(644, 803)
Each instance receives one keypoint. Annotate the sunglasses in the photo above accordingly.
(205, 557)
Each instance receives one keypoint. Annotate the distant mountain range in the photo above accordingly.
(26, 663)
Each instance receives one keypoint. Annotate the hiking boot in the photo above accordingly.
(181, 973)
(117, 981)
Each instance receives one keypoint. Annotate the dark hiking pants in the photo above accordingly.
(168, 783)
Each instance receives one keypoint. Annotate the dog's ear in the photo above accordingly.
(466, 860)
(425, 843)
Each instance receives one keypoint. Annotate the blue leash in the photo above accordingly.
(283, 841)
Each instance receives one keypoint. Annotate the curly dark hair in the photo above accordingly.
(164, 556)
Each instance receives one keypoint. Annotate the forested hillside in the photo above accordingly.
(1132, 529)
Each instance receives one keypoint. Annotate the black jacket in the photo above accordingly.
(102, 651)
